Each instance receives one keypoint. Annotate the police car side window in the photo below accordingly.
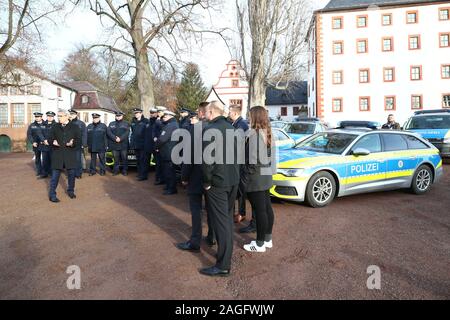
(370, 142)
(414, 143)
(394, 142)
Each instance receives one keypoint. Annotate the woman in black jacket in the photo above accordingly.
(257, 177)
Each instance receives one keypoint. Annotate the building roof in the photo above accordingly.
(214, 96)
(338, 5)
(80, 86)
(107, 103)
(296, 93)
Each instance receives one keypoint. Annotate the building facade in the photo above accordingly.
(373, 58)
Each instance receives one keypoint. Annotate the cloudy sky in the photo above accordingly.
(84, 27)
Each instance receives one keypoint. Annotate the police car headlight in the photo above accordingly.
(291, 172)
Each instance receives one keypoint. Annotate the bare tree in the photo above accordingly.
(151, 30)
(271, 48)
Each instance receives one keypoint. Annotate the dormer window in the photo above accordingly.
(84, 99)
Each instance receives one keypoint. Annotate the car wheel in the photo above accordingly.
(321, 190)
(422, 180)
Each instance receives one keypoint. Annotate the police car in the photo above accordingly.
(433, 125)
(302, 130)
(349, 161)
(282, 139)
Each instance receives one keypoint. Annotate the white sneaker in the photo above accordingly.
(269, 244)
(253, 247)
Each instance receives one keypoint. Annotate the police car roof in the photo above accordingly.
(428, 112)
(356, 131)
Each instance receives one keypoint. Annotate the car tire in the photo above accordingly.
(321, 190)
(422, 180)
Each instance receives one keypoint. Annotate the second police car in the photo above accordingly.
(349, 161)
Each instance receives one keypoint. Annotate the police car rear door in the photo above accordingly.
(366, 173)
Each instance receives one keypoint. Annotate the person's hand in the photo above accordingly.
(207, 188)
(55, 143)
(70, 143)
(46, 142)
(35, 145)
(155, 139)
(184, 183)
(118, 140)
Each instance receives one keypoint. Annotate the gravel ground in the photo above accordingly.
(122, 234)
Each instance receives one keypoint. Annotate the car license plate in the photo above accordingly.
(132, 158)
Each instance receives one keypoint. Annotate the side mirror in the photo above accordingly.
(361, 152)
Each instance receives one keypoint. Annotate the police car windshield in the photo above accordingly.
(300, 128)
(429, 122)
(328, 142)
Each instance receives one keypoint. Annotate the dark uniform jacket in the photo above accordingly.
(80, 124)
(35, 135)
(185, 123)
(97, 138)
(138, 133)
(119, 129)
(240, 123)
(192, 172)
(164, 143)
(391, 126)
(157, 128)
(253, 176)
(46, 133)
(217, 174)
(63, 156)
(149, 142)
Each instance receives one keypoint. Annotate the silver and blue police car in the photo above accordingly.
(348, 161)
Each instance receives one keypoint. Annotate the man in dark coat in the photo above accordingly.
(80, 149)
(220, 181)
(97, 143)
(65, 139)
(391, 124)
(165, 146)
(138, 126)
(118, 133)
(46, 148)
(149, 143)
(36, 138)
(157, 129)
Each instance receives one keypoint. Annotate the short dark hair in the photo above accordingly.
(202, 106)
(236, 108)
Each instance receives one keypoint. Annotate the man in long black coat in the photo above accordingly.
(118, 133)
(65, 139)
(81, 160)
(97, 143)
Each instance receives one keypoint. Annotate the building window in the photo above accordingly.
(414, 42)
(389, 74)
(17, 91)
(337, 77)
(361, 21)
(3, 115)
(444, 14)
(84, 99)
(444, 40)
(389, 103)
(236, 102)
(3, 90)
(416, 102)
(446, 100)
(416, 73)
(34, 90)
(364, 76)
(388, 44)
(235, 83)
(361, 45)
(445, 71)
(337, 105)
(32, 108)
(283, 111)
(364, 104)
(412, 17)
(18, 116)
(59, 92)
(386, 19)
(338, 22)
(338, 47)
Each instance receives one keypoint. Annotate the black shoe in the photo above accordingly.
(159, 183)
(43, 177)
(79, 177)
(72, 196)
(91, 174)
(102, 174)
(215, 272)
(251, 228)
(54, 200)
(169, 193)
(141, 179)
(188, 246)
(209, 242)
(125, 174)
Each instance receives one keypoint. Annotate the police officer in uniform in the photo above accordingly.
(149, 143)
(138, 126)
(118, 133)
(185, 120)
(157, 128)
(165, 146)
(36, 138)
(79, 149)
(46, 147)
(97, 143)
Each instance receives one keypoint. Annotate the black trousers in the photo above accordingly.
(220, 204)
(55, 181)
(38, 162)
(47, 163)
(140, 157)
(170, 176)
(195, 205)
(148, 157)
(159, 173)
(262, 206)
(101, 157)
(120, 159)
